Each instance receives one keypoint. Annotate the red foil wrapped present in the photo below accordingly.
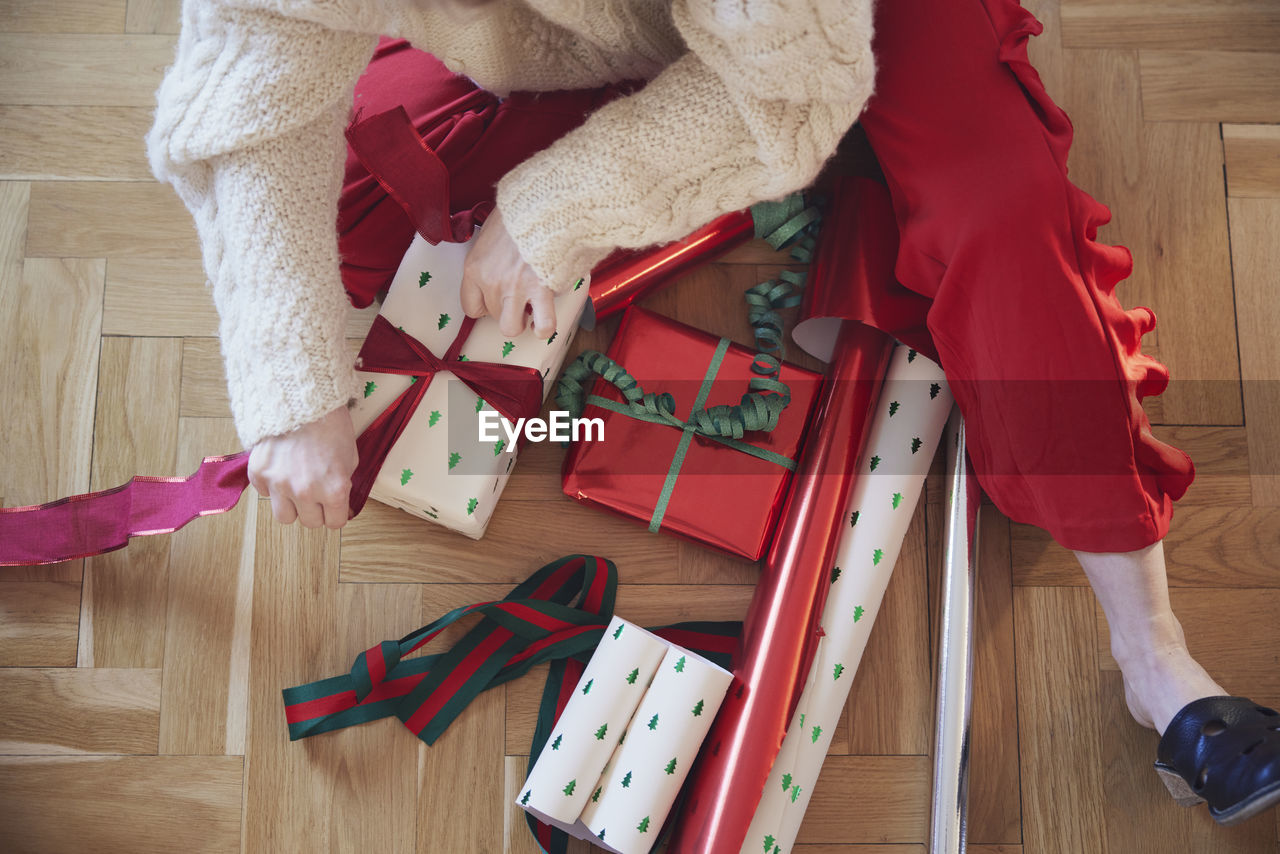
(695, 487)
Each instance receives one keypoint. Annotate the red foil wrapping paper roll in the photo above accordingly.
(627, 275)
(852, 275)
(780, 631)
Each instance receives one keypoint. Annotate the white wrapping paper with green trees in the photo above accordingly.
(621, 749)
(439, 468)
(906, 431)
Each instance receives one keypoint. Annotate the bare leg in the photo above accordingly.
(1160, 676)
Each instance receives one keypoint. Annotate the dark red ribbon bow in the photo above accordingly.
(515, 391)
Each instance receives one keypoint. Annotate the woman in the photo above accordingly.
(697, 108)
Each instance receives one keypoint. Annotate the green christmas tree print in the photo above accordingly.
(370, 387)
(555, 745)
(600, 835)
(463, 359)
(817, 731)
(911, 356)
(680, 665)
(795, 793)
(507, 347)
(413, 380)
(442, 321)
(915, 444)
(618, 631)
(600, 732)
(768, 844)
(553, 337)
(626, 781)
(423, 279)
(525, 799)
(857, 613)
(697, 709)
(875, 461)
(853, 518)
(595, 796)
(643, 826)
(876, 557)
(835, 574)
(404, 476)
(498, 446)
(786, 782)
(839, 668)
(802, 719)
(631, 677)
(434, 418)
(454, 459)
(934, 388)
(586, 689)
(671, 766)
(893, 408)
(479, 404)
(573, 784)
(578, 284)
(472, 504)
(653, 722)
(897, 499)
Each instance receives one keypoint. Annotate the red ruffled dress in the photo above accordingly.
(1019, 305)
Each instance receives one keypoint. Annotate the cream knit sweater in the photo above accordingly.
(746, 100)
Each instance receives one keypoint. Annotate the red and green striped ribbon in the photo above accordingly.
(558, 614)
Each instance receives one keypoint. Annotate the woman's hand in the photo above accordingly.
(496, 281)
(307, 473)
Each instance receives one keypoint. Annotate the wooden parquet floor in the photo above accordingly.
(140, 691)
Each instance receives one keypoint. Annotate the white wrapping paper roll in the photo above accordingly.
(603, 703)
(653, 761)
(912, 410)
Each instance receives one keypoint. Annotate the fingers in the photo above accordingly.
(336, 515)
(511, 320)
(283, 509)
(544, 313)
(335, 507)
(473, 301)
(307, 472)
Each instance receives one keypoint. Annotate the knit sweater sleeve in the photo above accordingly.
(751, 112)
(248, 129)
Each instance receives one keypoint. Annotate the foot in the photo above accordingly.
(1225, 751)
(1160, 679)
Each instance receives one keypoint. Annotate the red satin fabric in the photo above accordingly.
(99, 522)
(1044, 361)
(477, 136)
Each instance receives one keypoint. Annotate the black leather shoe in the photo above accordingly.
(1224, 751)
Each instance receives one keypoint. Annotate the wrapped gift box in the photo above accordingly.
(622, 748)
(716, 495)
(439, 469)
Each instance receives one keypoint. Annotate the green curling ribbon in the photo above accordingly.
(787, 224)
